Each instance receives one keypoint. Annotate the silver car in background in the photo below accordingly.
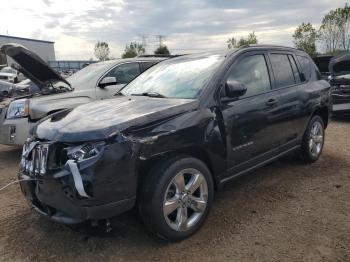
(96, 81)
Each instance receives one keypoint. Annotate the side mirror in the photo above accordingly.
(107, 81)
(234, 89)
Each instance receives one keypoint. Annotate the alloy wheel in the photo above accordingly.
(316, 139)
(185, 199)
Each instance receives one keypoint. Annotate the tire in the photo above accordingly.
(163, 186)
(312, 144)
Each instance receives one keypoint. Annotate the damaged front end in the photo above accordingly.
(339, 68)
(72, 183)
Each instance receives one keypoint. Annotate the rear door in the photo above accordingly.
(250, 120)
(290, 86)
(124, 74)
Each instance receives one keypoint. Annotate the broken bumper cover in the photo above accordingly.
(110, 188)
(53, 204)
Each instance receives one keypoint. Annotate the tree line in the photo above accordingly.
(132, 49)
(332, 37)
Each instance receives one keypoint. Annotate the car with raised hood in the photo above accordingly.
(339, 68)
(94, 82)
(174, 135)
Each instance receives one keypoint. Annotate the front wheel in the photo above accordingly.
(313, 140)
(176, 198)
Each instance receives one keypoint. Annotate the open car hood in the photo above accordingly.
(32, 65)
(339, 63)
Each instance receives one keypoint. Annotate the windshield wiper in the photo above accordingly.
(119, 93)
(150, 94)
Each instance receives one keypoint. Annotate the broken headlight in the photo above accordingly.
(84, 151)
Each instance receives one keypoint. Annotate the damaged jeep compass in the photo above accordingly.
(174, 135)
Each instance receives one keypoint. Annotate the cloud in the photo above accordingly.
(188, 25)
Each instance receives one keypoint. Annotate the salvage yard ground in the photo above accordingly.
(283, 212)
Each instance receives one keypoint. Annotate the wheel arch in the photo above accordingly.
(323, 112)
(145, 166)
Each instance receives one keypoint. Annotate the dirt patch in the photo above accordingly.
(285, 211)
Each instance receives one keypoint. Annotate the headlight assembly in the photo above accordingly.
(18, 108)
(85, 151)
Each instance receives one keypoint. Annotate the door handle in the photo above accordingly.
(271, 102)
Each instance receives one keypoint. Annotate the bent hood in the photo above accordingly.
(32, 65)
(102, 119)
(339, 64)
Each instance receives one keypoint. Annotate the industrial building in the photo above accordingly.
(45, 49)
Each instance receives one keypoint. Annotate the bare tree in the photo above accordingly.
(102, 51)
(335, 30)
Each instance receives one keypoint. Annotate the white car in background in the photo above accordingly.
(11, 75)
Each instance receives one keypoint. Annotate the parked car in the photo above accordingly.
(94, 82)
(175, 134)
(25, 87)
(11, 75)
(339, 68)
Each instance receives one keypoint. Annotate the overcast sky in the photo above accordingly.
(188, 25)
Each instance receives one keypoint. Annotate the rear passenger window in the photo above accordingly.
(282, 70)
(295, 69)
(305, 66)
(253, 73)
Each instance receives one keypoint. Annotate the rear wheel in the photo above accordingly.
(313, 140)
(176, 198)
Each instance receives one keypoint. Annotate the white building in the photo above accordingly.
(45, 49)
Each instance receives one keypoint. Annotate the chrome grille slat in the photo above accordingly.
(36, 163)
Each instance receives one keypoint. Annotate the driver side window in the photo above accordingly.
(125, 73)
(253, 73)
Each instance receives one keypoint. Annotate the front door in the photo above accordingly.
(250, 121)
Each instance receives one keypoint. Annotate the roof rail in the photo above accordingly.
(268, 45)
(160, 55)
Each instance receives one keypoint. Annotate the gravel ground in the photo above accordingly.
(285, 211)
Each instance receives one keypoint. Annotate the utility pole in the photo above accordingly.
(144, 42)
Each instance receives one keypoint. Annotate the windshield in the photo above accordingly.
(8, 70)
(182, 77)
(89, 74)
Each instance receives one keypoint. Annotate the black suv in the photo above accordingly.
(174, 135)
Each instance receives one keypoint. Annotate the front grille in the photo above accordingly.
(340, 98)
(3, 77)
(35, 158)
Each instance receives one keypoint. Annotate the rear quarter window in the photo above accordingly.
(305, 66)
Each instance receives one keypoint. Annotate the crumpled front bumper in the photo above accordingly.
(110, 182)
(51, 201)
